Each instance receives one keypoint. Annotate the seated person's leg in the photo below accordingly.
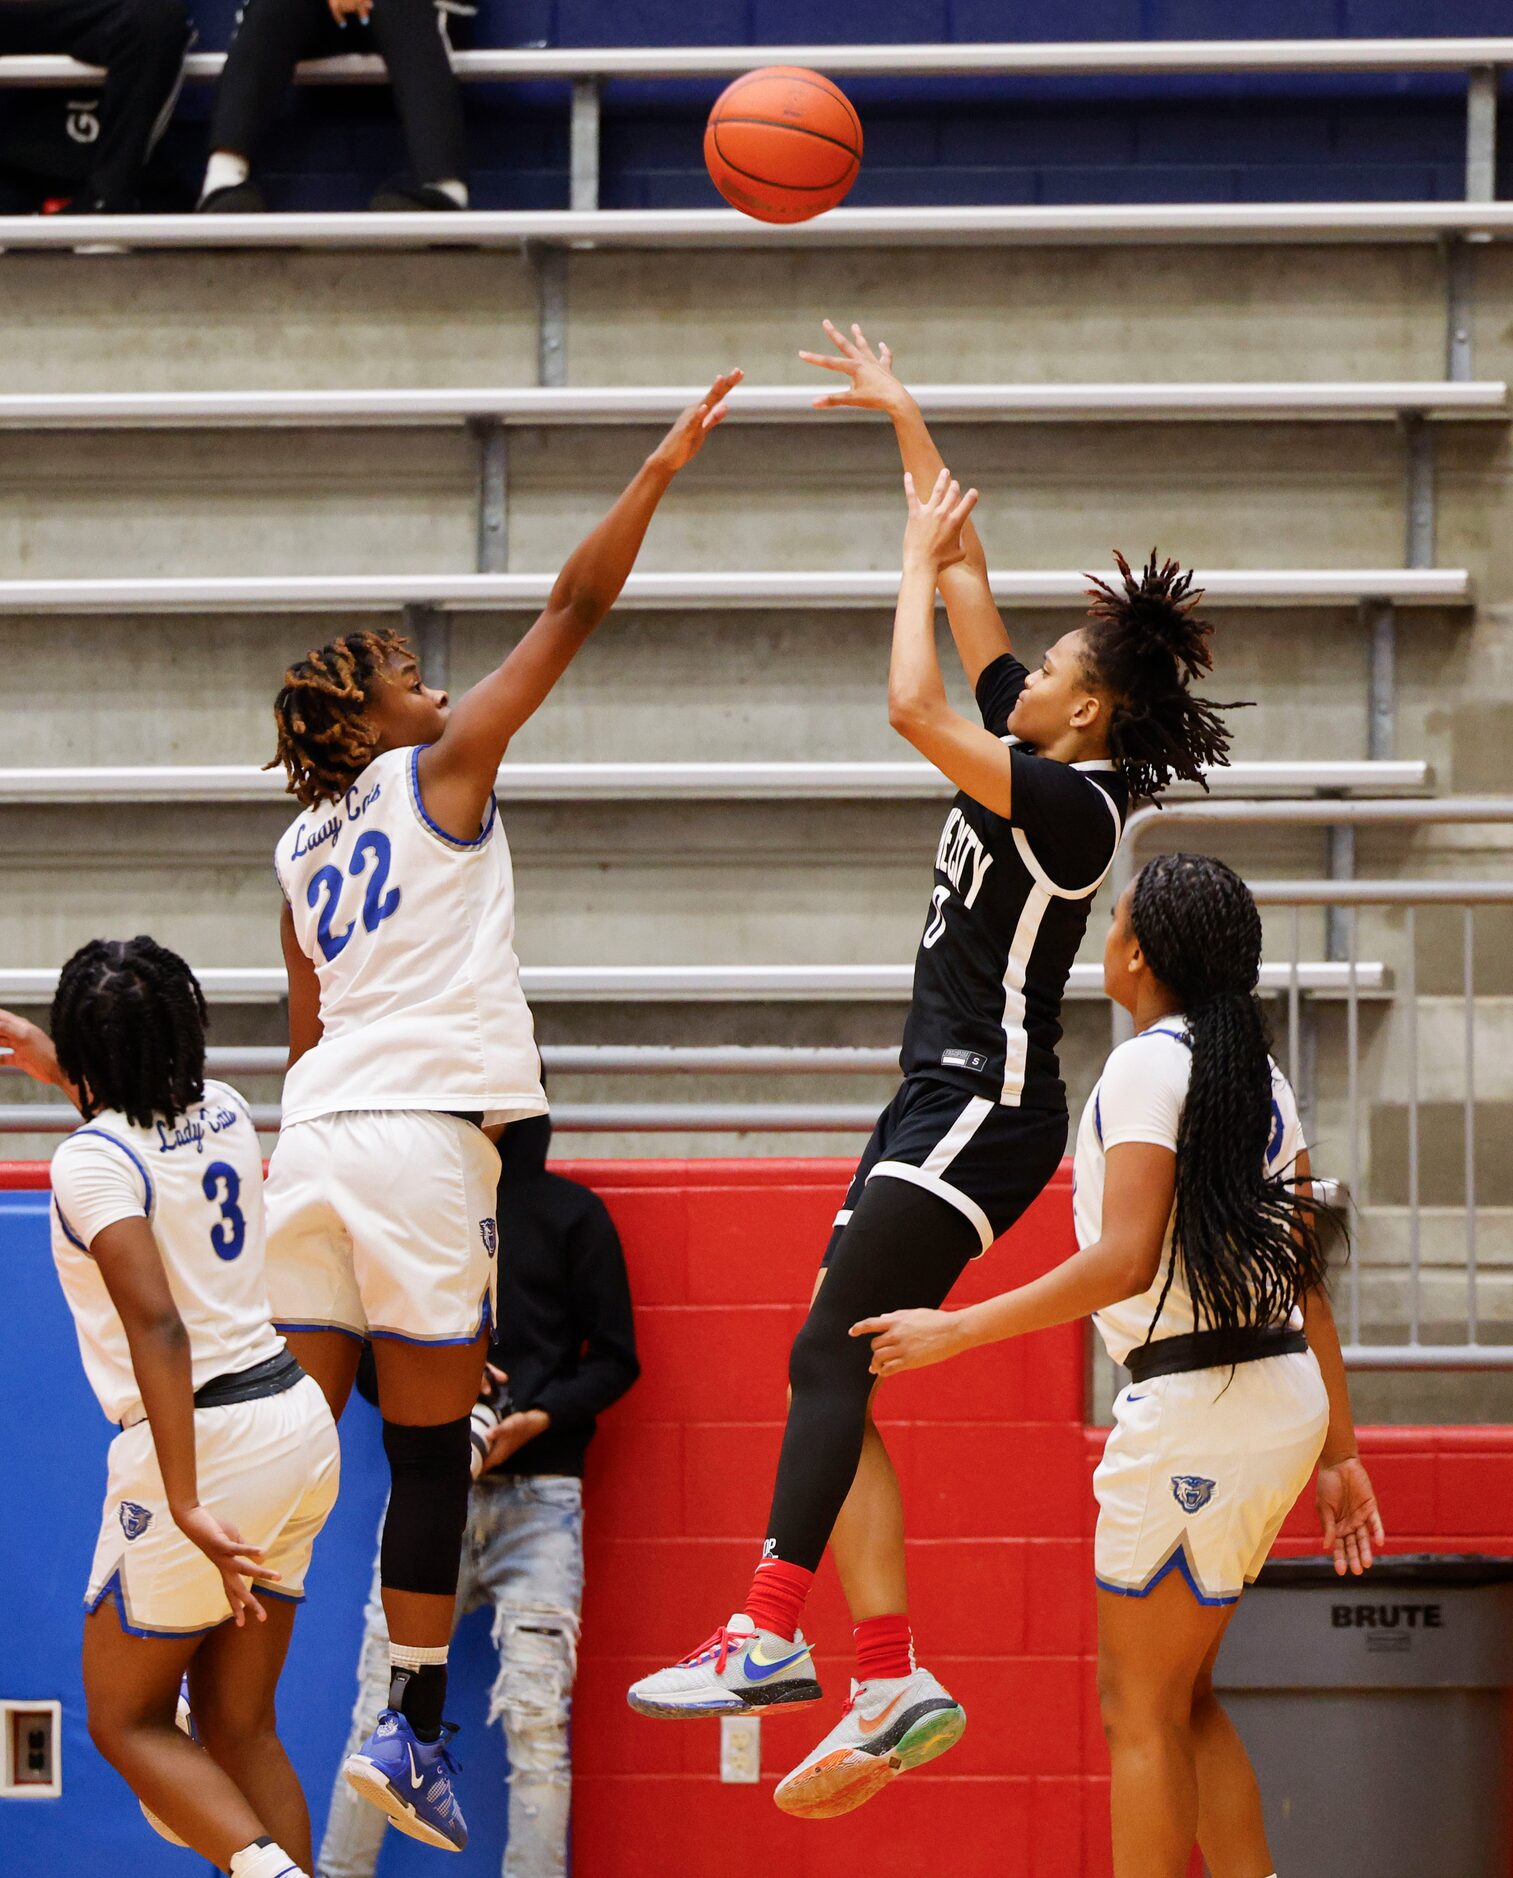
(430, 106)
(142, 44)
(270, 41)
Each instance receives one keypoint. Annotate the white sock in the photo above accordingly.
(264, 1860)
(224, 171)
(404, 1656)
(457, 191)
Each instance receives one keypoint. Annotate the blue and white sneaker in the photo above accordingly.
(740, 1668)
(411, 1781)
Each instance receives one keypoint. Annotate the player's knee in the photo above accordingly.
(428, 1506)
(824, 1356)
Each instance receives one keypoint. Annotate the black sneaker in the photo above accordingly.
(402, 195)
(235, 199)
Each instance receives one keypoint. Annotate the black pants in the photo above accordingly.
(944, 1174)
(903, 1249)
(274, 35)
(97, 142)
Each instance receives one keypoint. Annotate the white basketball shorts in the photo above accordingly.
(269, 1468)
(381, 1224)
(1200, 1471)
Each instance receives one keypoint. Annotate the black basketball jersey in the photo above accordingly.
(1009, 909)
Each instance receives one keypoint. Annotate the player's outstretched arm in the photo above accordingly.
(27, 1047)
(1140, 1183)
(918, 708)
(976, 624)
(127, 1256)
(458, 771)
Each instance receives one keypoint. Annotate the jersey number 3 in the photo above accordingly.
(223, 1188)
(377, 905)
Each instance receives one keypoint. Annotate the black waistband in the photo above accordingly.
(1212, 1349)
(272, 1376)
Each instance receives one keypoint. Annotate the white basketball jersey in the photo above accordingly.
(198, 1180)
(412, 935)
(1140, 1098)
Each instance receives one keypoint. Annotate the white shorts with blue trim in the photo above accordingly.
(1200, 1471)
(269, 1468)
(381, 1224)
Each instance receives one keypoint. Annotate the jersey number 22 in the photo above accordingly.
(377, 905)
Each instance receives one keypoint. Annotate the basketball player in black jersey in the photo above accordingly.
(979, 1124)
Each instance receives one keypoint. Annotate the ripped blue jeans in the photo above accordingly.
(522, 1554)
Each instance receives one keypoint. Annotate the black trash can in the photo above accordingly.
(1376, 1710)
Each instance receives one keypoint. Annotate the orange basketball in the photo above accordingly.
(783, 144)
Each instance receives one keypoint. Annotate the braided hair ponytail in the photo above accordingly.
(324, 741)
(1248, 1241)
(1145, 644)
(128, 1024)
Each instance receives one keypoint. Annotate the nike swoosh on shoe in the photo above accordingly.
(760, 1671)
(871, 1727)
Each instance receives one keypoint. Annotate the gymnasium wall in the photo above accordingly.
(995, 1461)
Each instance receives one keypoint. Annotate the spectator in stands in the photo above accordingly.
(84, 146)
(272, 36)
(565, 1350)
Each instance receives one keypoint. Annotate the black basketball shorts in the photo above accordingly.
(986, 1159)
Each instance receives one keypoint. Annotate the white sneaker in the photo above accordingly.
(740, 1668)
(890, 1725)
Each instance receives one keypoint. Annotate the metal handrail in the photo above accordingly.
(1443, 809)
(659, 782)
(661, 229)
(716, 590)
(1256, 400)
(1129, 58)
(701, 984)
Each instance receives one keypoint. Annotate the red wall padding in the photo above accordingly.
(996, 1465)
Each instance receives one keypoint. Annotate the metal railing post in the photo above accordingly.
(583, 145)
(493, 496)
(1481, 134)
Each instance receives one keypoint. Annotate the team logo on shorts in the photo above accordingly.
(490, 1233)
(1192, 1492)
(134, 1519)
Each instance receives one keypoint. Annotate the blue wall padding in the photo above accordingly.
(52, 1482)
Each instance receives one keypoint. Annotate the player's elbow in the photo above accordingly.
(160, 1332)
(1132, 1269)
(909, 711)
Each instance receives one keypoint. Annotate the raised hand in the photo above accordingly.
(1349, 1517)
(25, 1047)
(910, 1339)
(686, 438)
(237, 1562)
(873, 386)
(932, 535)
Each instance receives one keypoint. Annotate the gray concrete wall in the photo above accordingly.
(714, 883)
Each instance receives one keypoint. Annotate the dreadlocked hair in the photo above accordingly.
(1248, 1242)
(324, 740)
(128, 1024)
(1145, 646)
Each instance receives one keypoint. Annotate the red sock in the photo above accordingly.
(776, 1597)
(884, 1647)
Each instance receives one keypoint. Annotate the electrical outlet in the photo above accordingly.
(741, 1749)
(31, 1757)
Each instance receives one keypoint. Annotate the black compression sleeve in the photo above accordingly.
(903, 1249)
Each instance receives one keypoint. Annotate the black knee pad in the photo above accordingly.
(430, 1474)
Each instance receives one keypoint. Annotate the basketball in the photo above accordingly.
(783, 144)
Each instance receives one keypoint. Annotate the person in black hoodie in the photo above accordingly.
(565, 1350)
